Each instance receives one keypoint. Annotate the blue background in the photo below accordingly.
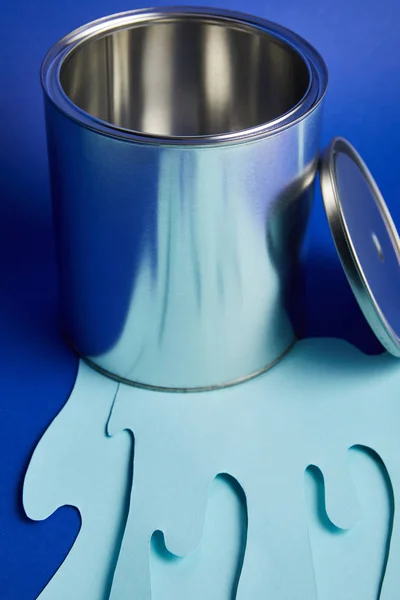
(359, 41)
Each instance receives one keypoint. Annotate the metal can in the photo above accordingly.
(183, 147)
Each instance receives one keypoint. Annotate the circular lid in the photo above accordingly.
(365, 237)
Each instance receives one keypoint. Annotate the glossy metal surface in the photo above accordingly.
(366, 239)
(185, 77)
(181, 198)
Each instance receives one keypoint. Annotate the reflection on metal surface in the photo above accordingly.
(185, 77)
(378, 247)
(179, 212)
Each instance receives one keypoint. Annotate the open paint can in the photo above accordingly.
(183, 147)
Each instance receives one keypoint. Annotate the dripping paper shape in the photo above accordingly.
(77, 464)
(341, 570)
(278, 487)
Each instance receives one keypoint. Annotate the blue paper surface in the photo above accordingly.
(350, 564)
(308, 535)
(216, 564)
(359, 41)
(77, 464)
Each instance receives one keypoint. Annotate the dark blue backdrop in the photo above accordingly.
(359, 41)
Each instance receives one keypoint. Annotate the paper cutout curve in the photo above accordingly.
(341, 569)
(217, 562)
(77, 464)
(323, 398)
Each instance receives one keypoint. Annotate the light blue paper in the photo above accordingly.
(77, 464)
(344, 559)
(216, 563)
(322, 399)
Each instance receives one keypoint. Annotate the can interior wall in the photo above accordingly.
(185, 76)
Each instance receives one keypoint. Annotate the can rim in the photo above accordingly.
(58, 53)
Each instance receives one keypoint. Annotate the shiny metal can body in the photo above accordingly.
(183, 145)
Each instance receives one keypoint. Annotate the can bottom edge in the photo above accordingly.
(185, 390)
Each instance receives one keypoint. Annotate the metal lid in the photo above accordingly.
(365, 237)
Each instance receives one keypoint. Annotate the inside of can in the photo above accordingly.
(185, 77)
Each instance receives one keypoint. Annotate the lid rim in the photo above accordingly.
(344, 244)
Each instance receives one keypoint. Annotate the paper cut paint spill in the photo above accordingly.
(77, 464)
(322, 399)
(341, 569)
(217, 562)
